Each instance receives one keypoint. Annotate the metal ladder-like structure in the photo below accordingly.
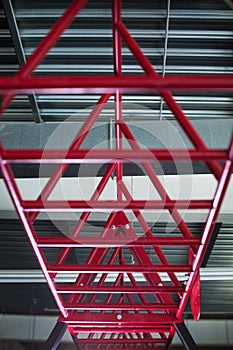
(108, 305)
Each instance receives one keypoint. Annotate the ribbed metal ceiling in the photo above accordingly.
(199, 40)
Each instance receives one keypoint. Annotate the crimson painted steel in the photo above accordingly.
(117, 303)
(110, 84)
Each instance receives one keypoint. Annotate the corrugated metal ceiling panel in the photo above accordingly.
(199, 41)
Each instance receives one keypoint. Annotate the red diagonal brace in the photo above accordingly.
(47, 43)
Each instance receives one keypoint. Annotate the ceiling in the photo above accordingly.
(178, 37)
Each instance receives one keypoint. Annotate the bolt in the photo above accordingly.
(113, 227)
(127, 226)
(119, 317)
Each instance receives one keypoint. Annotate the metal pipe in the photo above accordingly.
(90, 268)
(117, 55)
(114, 330)
(117, 242)
(74, 156)
(110, 84)
(121, 307)
(165, 53)
(109, 206)
(111, 320)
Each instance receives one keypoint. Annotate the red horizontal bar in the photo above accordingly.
(119, 289)
(104, 242)
(126, 319)
(99, 84)
(95, 156)
(80, 205)
(122, 347)
(69, 268)
(137, 341)
(120, 307)
(113, 330)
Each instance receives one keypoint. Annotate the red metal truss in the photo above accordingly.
(114, 302)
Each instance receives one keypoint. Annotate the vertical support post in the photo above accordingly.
(55, 336)
(165, 53)
(117, 49)
(185, 336)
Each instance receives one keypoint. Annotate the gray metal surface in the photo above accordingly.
(198, 40)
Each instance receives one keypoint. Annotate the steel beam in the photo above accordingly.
(78, 156)
(14, 30)
(55, 336)
(229, 3)
(185, 336)
(110, 84)
(165, 53)
(109, 206)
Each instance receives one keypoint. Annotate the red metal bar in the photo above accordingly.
(209, 226)
(126, 319)
(97, 156)
(46, 44)
(125, 307)
(16, 199)
(76, 268)
(167, 96)
(117, 54)
(134, 329)
(96, 242)
(107, 205)
(131, 341)
(127, 84)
